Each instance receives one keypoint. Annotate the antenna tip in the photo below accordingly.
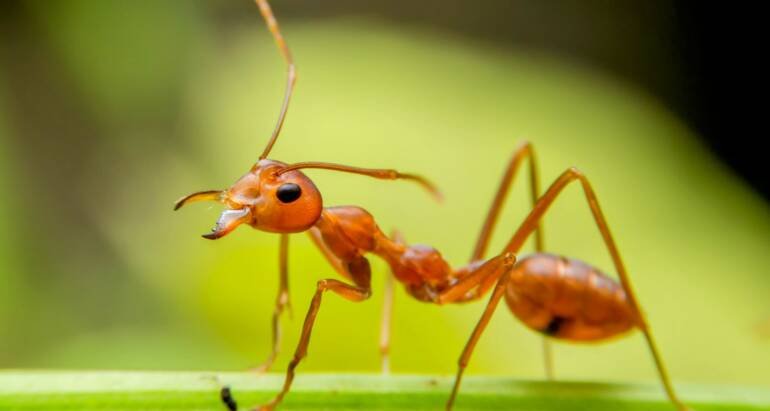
(437, 195)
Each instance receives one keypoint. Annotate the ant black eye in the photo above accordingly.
(288, 192)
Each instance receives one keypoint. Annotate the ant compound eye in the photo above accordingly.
(288, 192)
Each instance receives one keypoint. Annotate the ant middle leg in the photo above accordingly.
(282, 302)
(524, 151)
(529, 225)
(385, 323)
(387, 312)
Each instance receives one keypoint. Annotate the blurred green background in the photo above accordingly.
(111, 111)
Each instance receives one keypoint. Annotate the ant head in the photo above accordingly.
(266, 199)
(276, 197)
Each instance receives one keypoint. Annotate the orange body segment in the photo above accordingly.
(568, 299)
(350, 232)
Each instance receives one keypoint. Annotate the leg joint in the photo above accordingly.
(509, 259)
(574, 171)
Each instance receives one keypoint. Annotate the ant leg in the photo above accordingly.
(387, 306)
(548, 359)
(281, 302)
(505, 263)
(474, 285)
(531, 223)
(332, 259)
(387, 312)
(272, 25)
(524, 150)
(347, 291)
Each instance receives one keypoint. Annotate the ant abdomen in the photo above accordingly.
(568, 299)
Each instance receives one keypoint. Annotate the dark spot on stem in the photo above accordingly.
(227, 398)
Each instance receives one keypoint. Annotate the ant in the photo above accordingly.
(559, 297)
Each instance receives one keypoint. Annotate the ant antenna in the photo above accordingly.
(383, 174)
(291, 77)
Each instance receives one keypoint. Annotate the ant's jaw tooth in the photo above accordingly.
(214, 234)
(211, 236)
(228, 221)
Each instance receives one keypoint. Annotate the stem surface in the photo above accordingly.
(160, 390)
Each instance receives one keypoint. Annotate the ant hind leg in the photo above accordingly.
(508, 260)
(530, 224)
(524, 151)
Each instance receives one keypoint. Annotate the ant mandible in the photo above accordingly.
(560, 297)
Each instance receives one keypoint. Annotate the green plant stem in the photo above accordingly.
(121, 390)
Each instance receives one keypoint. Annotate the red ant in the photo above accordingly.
(559, 297)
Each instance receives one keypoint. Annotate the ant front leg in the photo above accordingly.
(282, 302)
(361, 273)
(387, 304)
(524, 151)
(529, 225)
